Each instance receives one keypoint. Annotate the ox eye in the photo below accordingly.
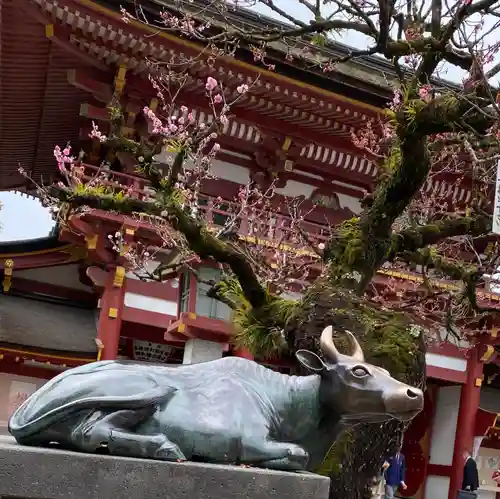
(360, 371)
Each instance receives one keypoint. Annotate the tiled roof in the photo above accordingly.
(46, 325)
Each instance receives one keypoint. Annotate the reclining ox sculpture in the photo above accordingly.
(229, 410)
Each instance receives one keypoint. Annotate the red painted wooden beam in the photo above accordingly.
(42, 259)
(93, 112)
(282, 127)
(328, 172)
(20, 353)
(191, 325)
(21, 369)
(85, 81)
(111, 315)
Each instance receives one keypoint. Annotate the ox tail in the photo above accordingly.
(21, 427)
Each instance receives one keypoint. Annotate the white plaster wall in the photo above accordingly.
(149, 267)
(446, 362)
(349, 202)
(444, 336)
(233, 173)
(294, 189)
(220, 169)
(60, 275)
(437, 487)
(490, 399)
(151, 304)
(444, 427)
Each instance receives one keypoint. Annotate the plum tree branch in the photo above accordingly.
(456, 271)
(415, 238)
(199, 238)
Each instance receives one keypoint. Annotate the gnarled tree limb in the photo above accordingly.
(426, 235)
(196, 233)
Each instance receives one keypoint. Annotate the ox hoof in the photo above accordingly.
(170, 452)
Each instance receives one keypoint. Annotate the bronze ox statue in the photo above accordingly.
(229, 410)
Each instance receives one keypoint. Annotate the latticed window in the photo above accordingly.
(206, 306)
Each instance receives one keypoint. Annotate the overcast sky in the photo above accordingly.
(24, 218)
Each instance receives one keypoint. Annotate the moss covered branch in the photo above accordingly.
(469, 275)
(196, 233)
(451, 113)
(362, 245)
(415, 238)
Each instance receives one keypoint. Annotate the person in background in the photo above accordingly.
(395, 474)
(378, 486)
(471, 476)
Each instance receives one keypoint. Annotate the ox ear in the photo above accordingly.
(310, 361)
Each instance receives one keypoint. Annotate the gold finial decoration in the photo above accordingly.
(7, 273)
(100, 348)
(92, 241)
(119, 277)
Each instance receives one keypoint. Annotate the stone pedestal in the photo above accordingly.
(196, 350)
(36, 473)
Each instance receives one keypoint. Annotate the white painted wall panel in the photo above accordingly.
(294, 189)
(349, 202)
(437, 487)
(150, 304)
(445, 362)
(444, 426)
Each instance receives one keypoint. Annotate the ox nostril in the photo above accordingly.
(412, 394)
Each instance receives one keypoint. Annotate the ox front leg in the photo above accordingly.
(115, 432)
(276, 455)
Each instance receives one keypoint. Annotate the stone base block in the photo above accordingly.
(36, 473)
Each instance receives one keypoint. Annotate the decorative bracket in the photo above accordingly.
(7, 273)
(92, 241)
(119, 277)
(120, 80)
(100, 348)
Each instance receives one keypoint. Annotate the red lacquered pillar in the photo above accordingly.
(469, 405)
(110, 317)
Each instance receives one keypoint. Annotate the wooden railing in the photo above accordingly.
(277, 227)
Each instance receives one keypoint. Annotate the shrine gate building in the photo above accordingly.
(68, 299)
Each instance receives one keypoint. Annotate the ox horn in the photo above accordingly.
(330, 350)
